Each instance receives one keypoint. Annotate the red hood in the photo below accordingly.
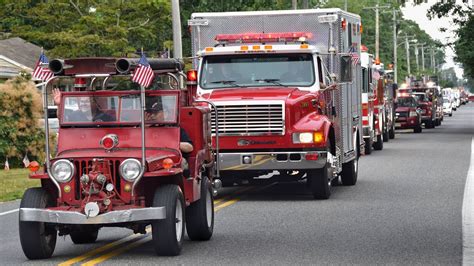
(402, 109)
(260, 93)
(84, 142)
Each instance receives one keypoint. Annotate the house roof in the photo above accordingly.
(20, 51)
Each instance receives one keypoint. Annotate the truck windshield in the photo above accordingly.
(407, 102)
(90, 109)
(257, 70)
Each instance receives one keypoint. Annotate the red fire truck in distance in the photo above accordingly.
(427, 97)
(286, 91)
(368, 98)
(408, 113)
(118, 160)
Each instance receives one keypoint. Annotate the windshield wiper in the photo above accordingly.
(226, 82)
(274, 81)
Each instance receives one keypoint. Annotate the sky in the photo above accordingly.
(417, 13)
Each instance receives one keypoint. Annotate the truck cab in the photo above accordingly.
(118, 161)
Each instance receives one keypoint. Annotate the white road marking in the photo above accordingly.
(468, 215)
(8, 212)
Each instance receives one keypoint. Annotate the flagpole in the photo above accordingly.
(142, 123)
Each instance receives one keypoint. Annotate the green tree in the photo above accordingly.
(89, 28)
(19, 116)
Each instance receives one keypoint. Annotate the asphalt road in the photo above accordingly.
(404, 210)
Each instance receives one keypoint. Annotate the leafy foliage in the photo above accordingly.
(21, 110)
(89, 28)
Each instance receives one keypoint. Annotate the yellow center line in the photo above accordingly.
(102, 248)
(142, 241)
(240, 191)
(117, 252)
(137, 243)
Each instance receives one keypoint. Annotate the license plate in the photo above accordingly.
(398, 124)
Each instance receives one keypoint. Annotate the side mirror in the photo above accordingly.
(345, 69)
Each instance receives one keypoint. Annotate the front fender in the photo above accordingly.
(313, 122)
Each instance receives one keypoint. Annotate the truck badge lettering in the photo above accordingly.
(246, 142)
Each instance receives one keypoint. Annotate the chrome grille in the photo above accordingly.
(250, 119)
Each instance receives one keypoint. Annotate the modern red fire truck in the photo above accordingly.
(368, 98)
(286, 85)
(118, 160)
(427, 96)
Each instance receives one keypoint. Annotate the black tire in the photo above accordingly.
(37, 239)
(368, 146)
(451, 114)
(378, 146)
(386, 137)
(166, 241)
(200, 214)
(350, 171)
(84, 235)
(319, 181)
(418, 129)
(391, 132)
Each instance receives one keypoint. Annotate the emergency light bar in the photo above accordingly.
(264, 37)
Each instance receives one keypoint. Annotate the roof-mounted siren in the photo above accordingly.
(57, 66)
(159, 65)
(264, 37)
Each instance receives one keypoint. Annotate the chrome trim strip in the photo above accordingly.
(268, 161)
(68, 217)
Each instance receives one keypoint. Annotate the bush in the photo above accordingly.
(20, 111)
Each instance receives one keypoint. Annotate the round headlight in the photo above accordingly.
(62, 170)
(306, 137)
(130, 169)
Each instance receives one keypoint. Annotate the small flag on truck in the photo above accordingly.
(143, 74)
(354, 55)
(41, 72)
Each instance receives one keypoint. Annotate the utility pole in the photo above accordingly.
(422, 57)
(407, 47)
(345, 5)
(416, 56)
(377, 9)
(395, 62)
(294, 4)
(176, 21)
(432, 58)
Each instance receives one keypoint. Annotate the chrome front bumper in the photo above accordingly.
(271, 160)
(69, 217)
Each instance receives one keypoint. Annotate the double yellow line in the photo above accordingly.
(132, 241)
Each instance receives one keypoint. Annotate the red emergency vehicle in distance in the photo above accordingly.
(368, 98)
(408, 113)
(119, 162)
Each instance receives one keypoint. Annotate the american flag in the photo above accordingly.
(143, 74)
(354, 55)
(41, 72)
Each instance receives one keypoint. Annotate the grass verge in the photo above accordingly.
(14, 182)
